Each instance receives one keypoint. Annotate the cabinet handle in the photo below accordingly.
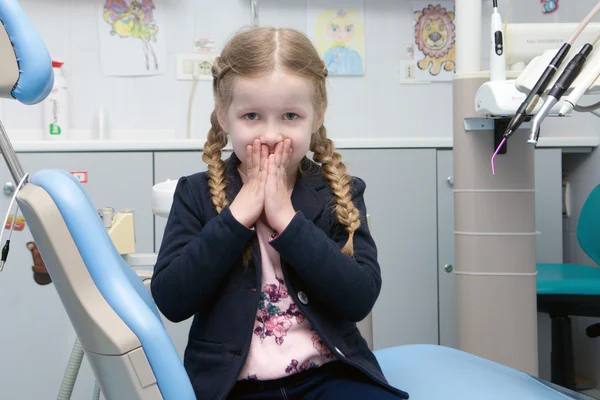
(448, 268)
(450, 180)
(9, 188)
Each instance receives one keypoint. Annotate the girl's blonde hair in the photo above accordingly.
(258, 51)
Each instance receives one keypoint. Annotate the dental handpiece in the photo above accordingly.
(586, 78)
(532, 98)
(563, 82)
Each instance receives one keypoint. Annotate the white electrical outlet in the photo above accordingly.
(407, 73)
(410, 71)
(199, 64)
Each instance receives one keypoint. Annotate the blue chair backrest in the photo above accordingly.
(120, 286)
(588, 226)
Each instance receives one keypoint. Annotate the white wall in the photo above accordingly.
(374, 107)
(370, 111)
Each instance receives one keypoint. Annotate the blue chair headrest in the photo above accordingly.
(36, 77)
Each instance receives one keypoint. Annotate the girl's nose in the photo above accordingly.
(271, 137)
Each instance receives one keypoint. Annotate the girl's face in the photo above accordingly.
(271, 108)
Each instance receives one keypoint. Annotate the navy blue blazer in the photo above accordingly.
(199, 273)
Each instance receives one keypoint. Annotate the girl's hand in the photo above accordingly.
(278, 204)
(248, 205)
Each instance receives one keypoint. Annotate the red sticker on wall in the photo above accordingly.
(82, 176)
(19, 223)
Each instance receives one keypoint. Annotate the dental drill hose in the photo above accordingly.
(563, 82)
(571, 72)
(531, 100)
(68, 382)
(497, 55)
(97, 391)
(584, 80)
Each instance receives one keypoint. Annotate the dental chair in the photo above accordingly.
(112, 312)
(565, 290)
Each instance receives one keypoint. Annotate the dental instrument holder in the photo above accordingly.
(120, 227)
(494, 235)
(499, 129)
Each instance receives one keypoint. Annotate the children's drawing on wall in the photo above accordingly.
(132, 38)
(337, 31)
(434, 38)
(549, 6)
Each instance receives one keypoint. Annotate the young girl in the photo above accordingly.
(268, 250)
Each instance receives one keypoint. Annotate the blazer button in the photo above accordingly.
(303, 298)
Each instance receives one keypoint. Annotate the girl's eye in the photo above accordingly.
(290, 116)
(251, 116)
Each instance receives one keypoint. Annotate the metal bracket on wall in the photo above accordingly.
(254, 12)
(487, 124)
(500, 126)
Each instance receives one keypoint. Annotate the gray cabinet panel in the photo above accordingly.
(548, 205)
(117, 180)
(174, 165)
(446, 277)
(37, 336)
(401, 199)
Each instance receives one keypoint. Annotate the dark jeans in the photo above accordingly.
(334, 381)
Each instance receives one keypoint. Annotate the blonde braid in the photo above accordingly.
(216, 140)
(335, 172)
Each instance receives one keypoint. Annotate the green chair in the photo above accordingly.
(565, 290)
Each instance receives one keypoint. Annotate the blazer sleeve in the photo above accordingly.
(347, 285)
(194, 258)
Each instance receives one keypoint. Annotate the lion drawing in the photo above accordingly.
(435, 37)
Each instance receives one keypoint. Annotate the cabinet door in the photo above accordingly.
(37, 337)
(446, 277)
(548, 206)
(401, 201)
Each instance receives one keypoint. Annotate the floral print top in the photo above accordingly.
(283, 341)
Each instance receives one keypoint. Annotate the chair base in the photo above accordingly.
(560, 307)
(562, 359)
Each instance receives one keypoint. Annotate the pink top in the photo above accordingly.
(284, 342)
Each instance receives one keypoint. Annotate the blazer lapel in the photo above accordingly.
(307, 195)
(233, 180)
